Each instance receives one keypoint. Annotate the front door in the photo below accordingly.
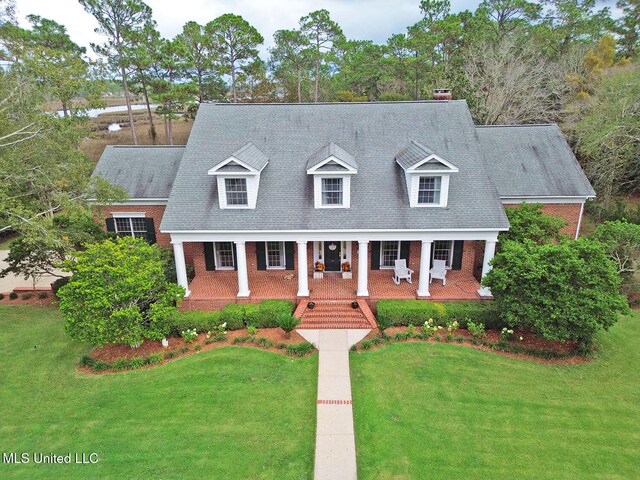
(332, 256)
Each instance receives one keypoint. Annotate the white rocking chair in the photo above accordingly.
(401, 271)
(439, 271)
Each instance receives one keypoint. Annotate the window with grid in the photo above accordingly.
(275, 255)
(442, 250)
(389, 253)
(429, 190)
(131, 227)
(236, 189)
(331, 191)
(224, 255)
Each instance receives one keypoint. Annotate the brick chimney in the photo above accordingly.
(442, 94)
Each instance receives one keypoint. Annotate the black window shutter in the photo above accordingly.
(209, 260)
(261, 255)
(404, 251)
(456, 264)
(111, 225)
(375, 255)
(288, 255)
(235, 257)
(151, 231)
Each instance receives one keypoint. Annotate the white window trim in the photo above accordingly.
(217, 259)
(226, 194)
(451, 245)
(434, 190)
(387, 267)
(283, 256)
(128, 215)
(253, 183)
(413, 183)
(346, 191)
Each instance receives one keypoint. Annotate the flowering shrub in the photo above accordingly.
(189, 335)
(505, 334)
(477, 330)
(218, 332)
(429, 328)
(451, 328)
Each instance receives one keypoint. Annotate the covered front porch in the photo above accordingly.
(369, 279)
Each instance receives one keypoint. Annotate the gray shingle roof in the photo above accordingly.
(328, 150)
(143, 171)
(411, 154)
(251, 156)
(372, 132)
(532, 160)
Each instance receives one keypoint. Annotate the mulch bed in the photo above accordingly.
(33, 300)
(529, 340)
(109, 353)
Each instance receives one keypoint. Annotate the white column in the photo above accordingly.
(181, 267)
(363, 269)
(303, 274)
(243, 276)
(489, 252)
(423, 274)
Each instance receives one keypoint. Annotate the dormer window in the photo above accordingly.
(238, 177)
(429, 190)
(236, 190)
(332, 168)
(426, 174)
(332, 192)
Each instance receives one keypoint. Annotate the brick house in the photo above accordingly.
(262, 193)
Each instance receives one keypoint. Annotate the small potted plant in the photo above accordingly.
(318, 271)
(346, 270)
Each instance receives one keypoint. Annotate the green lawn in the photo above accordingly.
(229, 413)
(437, 411)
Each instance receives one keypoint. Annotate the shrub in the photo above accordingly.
(287, 322)
(299, 349)
(189, 335)
(1, 296)
(42, 295)
(59, 282)
(527, 222)
(155, 358)
(197, 348)
(13, 296)
(120, 364)
(118, 293)
(87, 361)
(264, 342)
(137, 362)
(251, 314)
(484, 312)
(219, 333)
(477, 330)
(200, 321)
(101, 366)
(253, 331)
(268, 312)
(404, 312)
(27, 295)
(233, 315)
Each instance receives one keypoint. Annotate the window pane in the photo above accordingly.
(429, 190)
(332, 191)
(442, 250)
(389, 253)
(224, 254)
(236, 191)
(274, 255)
(123, 227)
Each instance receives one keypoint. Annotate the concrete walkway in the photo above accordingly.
(335, 441)
(11, 281)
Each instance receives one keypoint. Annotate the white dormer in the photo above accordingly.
(238, 177)
(332, 168)
(426, 174)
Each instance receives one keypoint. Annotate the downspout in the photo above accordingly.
(579, 220)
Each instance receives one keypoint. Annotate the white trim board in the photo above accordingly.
(513, 200)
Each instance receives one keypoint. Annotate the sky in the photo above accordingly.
(373, 20)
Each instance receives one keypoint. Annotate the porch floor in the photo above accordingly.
(215, 289)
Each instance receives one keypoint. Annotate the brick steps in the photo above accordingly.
(336, 314)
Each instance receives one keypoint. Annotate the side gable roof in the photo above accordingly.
(143, 171)
(331, 150)
(532, 161)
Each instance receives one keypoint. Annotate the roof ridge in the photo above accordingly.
(147, 146)
(519, 125)
(387, 102)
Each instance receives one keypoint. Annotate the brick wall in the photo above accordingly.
(569, 212)
(150, 211)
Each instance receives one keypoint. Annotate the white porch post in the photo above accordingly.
(243, 276)
(423, 274)
(303, 274)
(489, 252)
(363, 283)
(181, 267)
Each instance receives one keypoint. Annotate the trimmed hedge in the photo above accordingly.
(201, 321)
(404, 312)
(236, 316)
